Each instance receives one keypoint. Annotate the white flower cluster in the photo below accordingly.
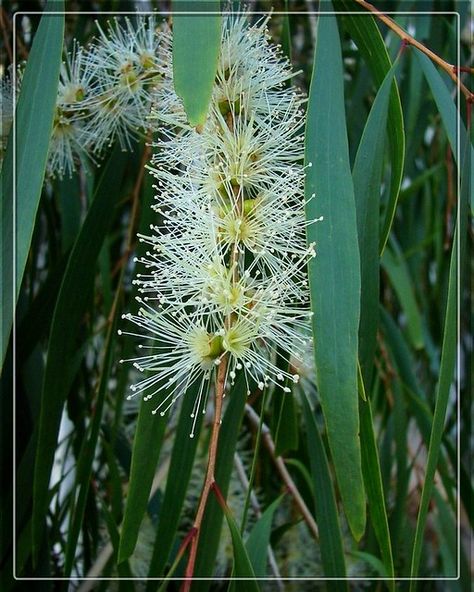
(105, 92)
(225, 277)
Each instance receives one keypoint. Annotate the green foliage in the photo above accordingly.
(196, 42)
(369, 435)
(34, 121)
(335, 274)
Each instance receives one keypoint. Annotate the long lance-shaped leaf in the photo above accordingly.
(374, 487)
(367, 173)
(397, 270)
(447, 110)
(335, 273)
(365, 33)
(147, 443)
(448, 356)
(259, 539)
(70, 307)
(332, 551)
(196, 44)
(34, 122)
(448, 350)
(243, 568)
(87, 454)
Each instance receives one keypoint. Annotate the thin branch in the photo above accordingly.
(281, 467)
(450, 69)
(210, 473)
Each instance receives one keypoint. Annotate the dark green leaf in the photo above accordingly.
(34, 122)
(330, 537)
(448, 356)
(259, 539)
(447, 110)
(335, 272)
(374, 487)
(70, 307)
(366, 35)
(367, 177)
(196, 45)
(242, 566)
(147, 443)
(179, 473)
(87, 454)
(397, 270)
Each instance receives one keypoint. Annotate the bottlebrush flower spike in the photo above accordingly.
(68, 138)
(105, 92)
(225, 275)
(127, 62)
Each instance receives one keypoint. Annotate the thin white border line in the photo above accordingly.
(258, 12)
(458, 286)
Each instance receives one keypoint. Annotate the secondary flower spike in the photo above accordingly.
(225, 273)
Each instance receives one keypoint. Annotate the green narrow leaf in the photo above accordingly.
(448, 355)
(286, 433)
(147, 444)
(284, 424)
(70, 307)
(123, 569)
(69, 204)
(242, 565)
(365, 33)
(397, 270)
(34, 122)
(367, 176)
(447, 110)
(330, 537)
(86, 456)
(374, 487)
(335, 272)
(374, 563)
(196, 45)
(259, 539)
(179, 473)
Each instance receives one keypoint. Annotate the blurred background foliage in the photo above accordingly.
(79, 270)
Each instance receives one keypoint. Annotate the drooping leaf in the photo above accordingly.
(367, 177)
(448, 353)
(335, 272)
(196, 44)
(447, 109)
(242, 564)
(86, 456)
(70, 307)
(330, 537)
(146, 449)
(365, 33)
(374, 487)
(34, 122)
(259, 539)
(394, 264)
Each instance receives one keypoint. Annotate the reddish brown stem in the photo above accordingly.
(209, 480)
(450, 69)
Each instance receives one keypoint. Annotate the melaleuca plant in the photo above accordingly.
(272, 222)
